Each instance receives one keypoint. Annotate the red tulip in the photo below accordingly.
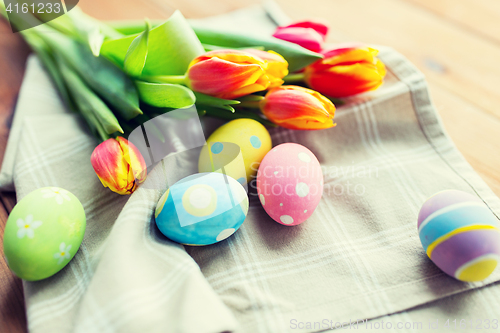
(308, 34)
(231, 73)
(298, 108)
(119, 165)
(346, 71)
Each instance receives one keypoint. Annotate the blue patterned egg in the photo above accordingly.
(202, 209)
(460, 235)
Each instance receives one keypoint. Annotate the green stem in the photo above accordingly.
(337, 102)
(254, 98)
(218, 113)
(174, 79)
(250, 104)
(294, 78)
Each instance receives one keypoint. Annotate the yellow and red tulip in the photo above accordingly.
(308, 34)
(119, 165)
(296, 107)
(346, 71)
(230, 74)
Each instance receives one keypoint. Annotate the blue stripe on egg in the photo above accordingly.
(453, 217)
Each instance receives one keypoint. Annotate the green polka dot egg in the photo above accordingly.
(202, 209)
(247, 135)
(43, 233)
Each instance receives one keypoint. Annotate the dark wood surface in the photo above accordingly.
(13, 53)
(454, 42)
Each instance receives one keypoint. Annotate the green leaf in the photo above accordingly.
(131, 27)
(43, 52)
(297, 56)
(102, 76)
(172, 46)
(85, 23)
(206, 100)
(87, 101)
(2, 9)
(95, 39)
(84, 28)
(209, 47)
(173, 79)
(62, 23)
(165, 95)
(135, 59)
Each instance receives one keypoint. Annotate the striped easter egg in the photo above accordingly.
(460, 235)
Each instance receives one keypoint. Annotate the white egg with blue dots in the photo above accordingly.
(202, 209)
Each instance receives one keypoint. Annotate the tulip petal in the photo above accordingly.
(306, 37)
(346, 71)
(346, 56)
(109, 165)
(261, 84)
(342, 81)
(221, 78)
(305, 124)
(298, 107)
(235, 56)
(112, 162)
(134, 158)
(320, 26)
(277, 66)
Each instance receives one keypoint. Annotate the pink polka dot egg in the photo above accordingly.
(290, 183)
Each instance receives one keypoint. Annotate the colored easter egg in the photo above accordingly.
(460, 235)
(43, 233)
(290, 183)
(202, 209)
(250, 136)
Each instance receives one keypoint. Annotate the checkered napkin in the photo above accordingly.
(358, 257)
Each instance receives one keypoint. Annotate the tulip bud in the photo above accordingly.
(308, 34)
(231, 74)
(277, 66)
(119, 165)
(319, 25)
(298, 108)
(346, 71)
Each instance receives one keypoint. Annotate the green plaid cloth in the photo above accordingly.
(358, 257)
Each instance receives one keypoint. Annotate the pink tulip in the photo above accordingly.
(308, 34)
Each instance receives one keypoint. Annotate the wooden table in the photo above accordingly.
(454, 42)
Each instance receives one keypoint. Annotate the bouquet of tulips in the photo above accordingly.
(118, 76)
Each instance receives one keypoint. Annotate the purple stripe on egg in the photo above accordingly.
(456, 218)
(444, 199)
(464, 247)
